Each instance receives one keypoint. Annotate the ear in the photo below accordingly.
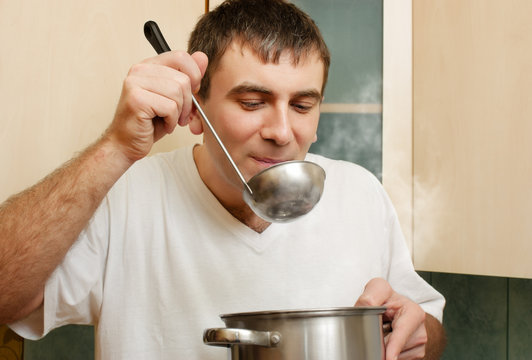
(195, 125)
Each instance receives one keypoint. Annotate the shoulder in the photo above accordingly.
(155, 172)
(161, 165)
(351, 187)
(345, 171)
(162, 160)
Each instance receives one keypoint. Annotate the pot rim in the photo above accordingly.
(315, 312)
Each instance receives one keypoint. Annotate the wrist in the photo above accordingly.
(107, 153)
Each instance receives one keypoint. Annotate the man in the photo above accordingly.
(152, 250)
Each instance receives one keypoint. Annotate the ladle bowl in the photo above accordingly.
(285, 191)
(280, 193)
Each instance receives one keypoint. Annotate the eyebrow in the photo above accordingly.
(310, 93)
(249, 88)
(253, 88)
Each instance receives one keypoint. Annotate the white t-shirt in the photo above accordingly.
(161, 259)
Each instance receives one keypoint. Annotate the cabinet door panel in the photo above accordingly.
(61, 70)
(472, 123)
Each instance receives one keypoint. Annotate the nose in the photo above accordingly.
(277, 127)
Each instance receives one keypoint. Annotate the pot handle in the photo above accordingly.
(227, 337)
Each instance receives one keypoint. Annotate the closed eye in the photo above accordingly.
(305, 101)
(251, 104)
(303, 107)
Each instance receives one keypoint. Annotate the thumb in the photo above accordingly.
(376, 293)
(202, 61)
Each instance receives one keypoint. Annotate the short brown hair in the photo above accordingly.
(268, 27)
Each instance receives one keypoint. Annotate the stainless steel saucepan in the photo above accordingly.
(350, 333)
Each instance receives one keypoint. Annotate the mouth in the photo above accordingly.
(267, 162)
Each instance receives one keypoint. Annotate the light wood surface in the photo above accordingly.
(61, 70)
(214, 3)
(397, 110)
(472, 129)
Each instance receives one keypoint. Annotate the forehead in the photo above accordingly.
(240, 63)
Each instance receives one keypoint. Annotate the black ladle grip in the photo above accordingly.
(155, 37)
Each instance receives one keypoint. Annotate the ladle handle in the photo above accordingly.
(198, 107)
(156, 39)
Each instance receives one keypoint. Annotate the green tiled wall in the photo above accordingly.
(519, 323)
(352, 137)
(353, 32)
(66, 343)
(486, 317)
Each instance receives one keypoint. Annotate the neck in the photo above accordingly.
(229, 194)
(248, 217)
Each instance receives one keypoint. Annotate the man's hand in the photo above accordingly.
(409, 336)
(156, 96)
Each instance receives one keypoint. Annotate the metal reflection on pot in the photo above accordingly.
(347, 333)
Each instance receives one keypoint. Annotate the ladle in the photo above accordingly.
(280, 193)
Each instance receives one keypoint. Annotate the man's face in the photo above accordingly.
(263, 113)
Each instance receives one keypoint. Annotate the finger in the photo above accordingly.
(182, 62)
(202, 62)
(167, 82)
(414, 348)
(193, 66)
(413, 354)
(176, 89)
(146, 106)
(407, 320)
(418, 338)
(376, 293)
(165, 115)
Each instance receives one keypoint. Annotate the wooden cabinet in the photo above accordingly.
(467, 143)
(61, 70)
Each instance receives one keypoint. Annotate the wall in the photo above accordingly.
(61, 71)
(486, 317)
(351, 121)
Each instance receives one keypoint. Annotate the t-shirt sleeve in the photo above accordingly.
(73, 293)
(402, 276)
